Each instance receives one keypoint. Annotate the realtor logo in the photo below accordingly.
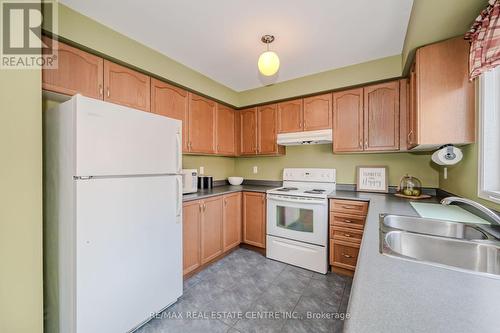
(22, 45)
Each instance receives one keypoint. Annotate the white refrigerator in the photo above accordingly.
(112, 216)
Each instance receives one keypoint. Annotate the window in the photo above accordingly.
(489, 136)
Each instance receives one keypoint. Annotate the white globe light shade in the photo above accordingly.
(268, 63)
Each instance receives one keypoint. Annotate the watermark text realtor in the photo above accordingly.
(22, 45)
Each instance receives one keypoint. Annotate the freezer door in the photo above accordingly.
(129, 251)
(116, 140)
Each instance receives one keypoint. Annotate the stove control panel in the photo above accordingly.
(309, 175)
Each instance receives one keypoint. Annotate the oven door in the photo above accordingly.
(298, 218)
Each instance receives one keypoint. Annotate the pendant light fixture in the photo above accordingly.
(269, 62)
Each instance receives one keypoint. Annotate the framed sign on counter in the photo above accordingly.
(372, 179)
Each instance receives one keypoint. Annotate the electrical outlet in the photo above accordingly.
(255, 169)
(202, 170)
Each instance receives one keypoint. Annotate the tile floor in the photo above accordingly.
(246, 292)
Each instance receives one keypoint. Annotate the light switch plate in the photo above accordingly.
(202, 170)
(255, 169)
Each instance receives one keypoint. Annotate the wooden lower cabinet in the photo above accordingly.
(347, 220)
(231, 221)
(254, 219)
(211, 229)
(191, 217)
(344, 254)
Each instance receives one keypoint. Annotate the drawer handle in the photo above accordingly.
(348, 207)
(347, 255)
(347, 221)
(347, 235)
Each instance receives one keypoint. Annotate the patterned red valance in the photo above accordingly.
(484, 37)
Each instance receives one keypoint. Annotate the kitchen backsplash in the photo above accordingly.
(320, 156)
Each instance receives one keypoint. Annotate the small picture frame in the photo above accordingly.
(372, 179)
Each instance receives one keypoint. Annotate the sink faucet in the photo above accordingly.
(487, 211)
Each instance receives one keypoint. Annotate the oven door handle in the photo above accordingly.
(308, 201)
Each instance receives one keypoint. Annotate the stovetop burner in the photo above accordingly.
(315, 191)
(287, 189)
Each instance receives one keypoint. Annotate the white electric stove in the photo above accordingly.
(297, 218)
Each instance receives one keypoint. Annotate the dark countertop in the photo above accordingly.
(225, 189)
(395, 295)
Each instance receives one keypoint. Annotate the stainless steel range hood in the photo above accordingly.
(305, 138)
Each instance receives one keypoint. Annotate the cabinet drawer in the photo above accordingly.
(349, 207)
(347, 220)
(346, 234)
(344, 255)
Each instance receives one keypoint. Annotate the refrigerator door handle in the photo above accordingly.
(179, 151)
(179, 196)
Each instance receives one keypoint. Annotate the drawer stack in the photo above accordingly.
(347, 221)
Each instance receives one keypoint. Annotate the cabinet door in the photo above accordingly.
(126, 87)
(78, 72)
(254, 219)
(226, 131)
(201, 125)
(348, 120)
(445, 96)
(173, 102)
(290, 116)
(191, 217)
(318, 112)
(381, 126)
(412, 136)
(403, 114)
(211, 229)
(231, 221)
(248, 129)
(266, 127)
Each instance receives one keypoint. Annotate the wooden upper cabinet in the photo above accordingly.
(412, 135)
(172, 102)
(211, 229)
(78, 72)
(254, 219)
(404, 88)
(267, 132)
(443, 107)
(348, 120)
(381, 117)
(191, 233)
(226, 131)
(290, 116)
(231, 224)
(248, 131)
(318, 112)
(127, 87)
(201, 128)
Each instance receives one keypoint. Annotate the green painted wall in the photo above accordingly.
(380, 69)
(321, 156)
(21, 201)
(463, 177)
(89, 33)
(218, 167)
(432, 21)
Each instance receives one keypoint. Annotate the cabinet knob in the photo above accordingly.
(347, 235)
(100, 90)
(107, 92)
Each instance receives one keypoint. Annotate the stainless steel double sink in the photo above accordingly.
(453, 245)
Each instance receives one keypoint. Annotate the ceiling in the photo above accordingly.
(221, 38)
